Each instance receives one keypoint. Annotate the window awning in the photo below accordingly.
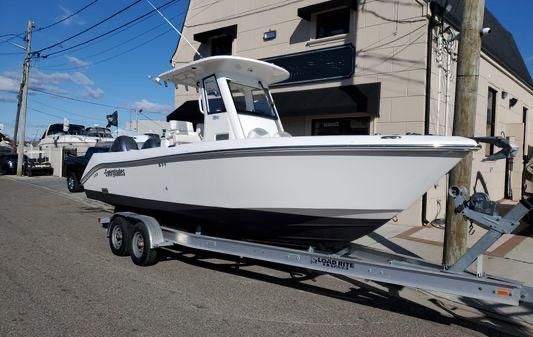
(306, 12)
(338, 100)
(188, 112)
(204, 37)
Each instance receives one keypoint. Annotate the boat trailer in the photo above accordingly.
(146, 236)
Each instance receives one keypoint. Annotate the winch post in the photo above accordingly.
(495, 224)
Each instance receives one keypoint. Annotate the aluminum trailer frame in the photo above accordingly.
(366, 263)
(361, 262)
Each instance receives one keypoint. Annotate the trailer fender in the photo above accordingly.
(153, 226)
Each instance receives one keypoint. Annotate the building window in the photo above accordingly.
(341, 126)
(221, 45)
(491, 119)
(217, 41)
(333, 23)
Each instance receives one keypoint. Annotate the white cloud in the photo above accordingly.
(77, 62)
(9, 84)
(57, 77)
(51, 82)
(8, 98)
(94, 92)
(76, 19)
(148, 106)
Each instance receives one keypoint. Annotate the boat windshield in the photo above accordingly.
(98, 132)
(57, 129)
(251, 100)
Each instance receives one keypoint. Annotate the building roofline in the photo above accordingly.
(522, 75)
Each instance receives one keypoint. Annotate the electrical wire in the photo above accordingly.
(61, 66)
(10, 34)
(88, 28)
(248, 12)
(150, 119)
(13, 36)
(111, 35)
(67, 17)
(81, 100)
(103, 34)
(66, 111)
(13, 53)
(119, 54)
(45, 113)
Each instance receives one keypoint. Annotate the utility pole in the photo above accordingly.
(455, 236)
(16, 130)
(21, 120)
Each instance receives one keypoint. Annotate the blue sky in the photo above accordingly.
(114, 70)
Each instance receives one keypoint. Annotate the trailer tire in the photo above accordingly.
(73, 183)
(140, 251)
(119, 236)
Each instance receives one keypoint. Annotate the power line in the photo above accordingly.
(61, 66)
(81, 100)
(68, 17)
(13, 36)
(106, 37)
(265, 8)
(10, 34)
(46, 113)
(67, 111)
(13, 53)
(88, 28)
(106, 33)
(119, 54)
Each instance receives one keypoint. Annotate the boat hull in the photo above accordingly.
(258, 225)
(307, 193)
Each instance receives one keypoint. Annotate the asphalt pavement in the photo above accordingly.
(58, 277)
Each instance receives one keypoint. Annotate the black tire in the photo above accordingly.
(140, 252)
(73, 184)
(119, 236)
(29, 173)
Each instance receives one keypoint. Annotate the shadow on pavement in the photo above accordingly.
(359, 292)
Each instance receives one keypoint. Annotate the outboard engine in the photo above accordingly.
(153, 141)
(123, 143)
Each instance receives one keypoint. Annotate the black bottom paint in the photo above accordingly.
(245, 224)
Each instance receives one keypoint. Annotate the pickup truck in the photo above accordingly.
(74, 167)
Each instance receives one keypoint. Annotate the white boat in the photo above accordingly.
(246, 178)
(5, 144)
(73, 135)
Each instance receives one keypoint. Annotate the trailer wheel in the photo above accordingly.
(140, 252)
(73, 184)
(119, 236)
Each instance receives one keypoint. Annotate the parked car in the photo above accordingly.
(75, 165)
(30, 167)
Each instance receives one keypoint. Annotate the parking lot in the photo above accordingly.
(58, 277)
